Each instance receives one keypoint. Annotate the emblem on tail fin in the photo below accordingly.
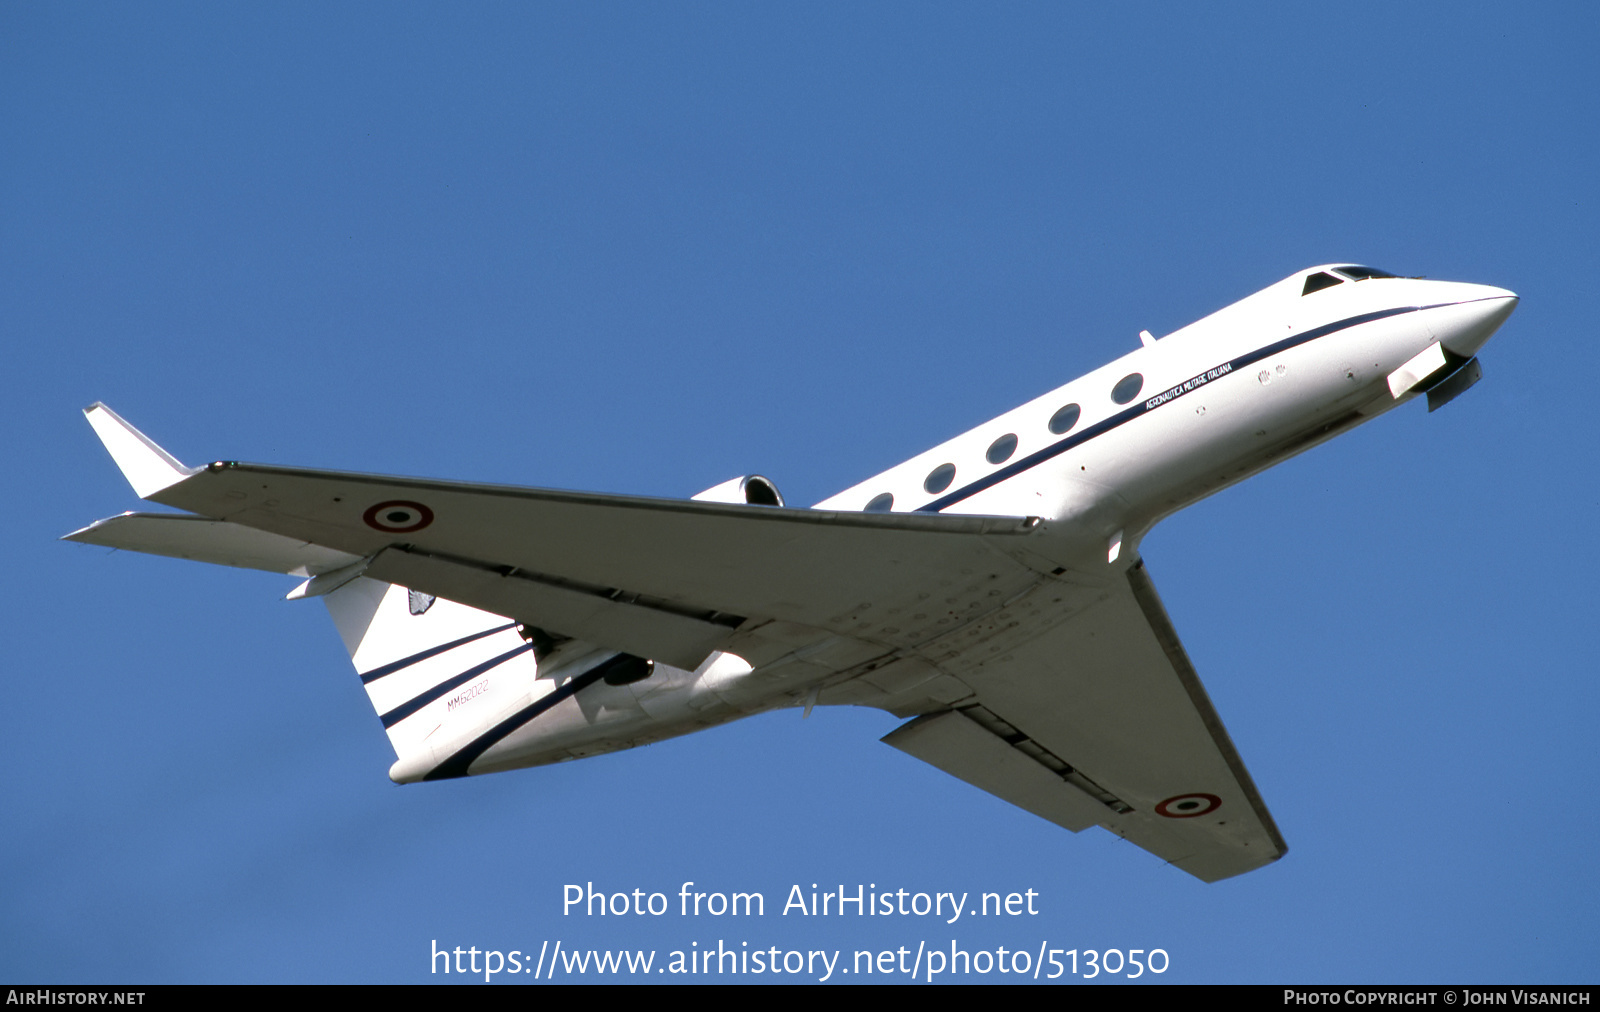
(418, 602)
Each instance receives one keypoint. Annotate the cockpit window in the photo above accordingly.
(1363, 273)
(1318, 281)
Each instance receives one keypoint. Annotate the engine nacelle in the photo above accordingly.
(751, 489)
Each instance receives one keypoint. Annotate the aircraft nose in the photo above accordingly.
(1466, 323)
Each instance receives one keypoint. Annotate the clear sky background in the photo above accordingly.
(643, 248)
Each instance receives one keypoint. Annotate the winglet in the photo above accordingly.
(148, 467)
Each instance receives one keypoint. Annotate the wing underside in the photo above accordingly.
(1102, 720)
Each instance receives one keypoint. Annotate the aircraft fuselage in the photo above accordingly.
(1156, 430)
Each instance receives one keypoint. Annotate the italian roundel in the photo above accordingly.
(398, 517)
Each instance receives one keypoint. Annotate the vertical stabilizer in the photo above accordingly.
(436, 671)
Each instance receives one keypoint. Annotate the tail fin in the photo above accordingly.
(435, 671)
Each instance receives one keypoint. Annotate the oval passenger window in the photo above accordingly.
(1001, 449)
(940, 478)
(1127, 388)
(1065, 419)
(881, 503)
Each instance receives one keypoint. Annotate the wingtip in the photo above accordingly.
(83, 534)
(148, 467)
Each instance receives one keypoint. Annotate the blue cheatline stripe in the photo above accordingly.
(367, 678)
(416, 703)
(1151, 403)
(456, 765)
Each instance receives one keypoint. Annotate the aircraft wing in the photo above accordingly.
(1104, 701)
(661, 578)
(1101, 719)
(1067, 694)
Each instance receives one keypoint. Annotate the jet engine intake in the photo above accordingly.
(750, 489)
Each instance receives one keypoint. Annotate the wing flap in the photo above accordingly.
(966, 751)
(586, 612)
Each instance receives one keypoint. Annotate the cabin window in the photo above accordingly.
(1127, 388)
(939, 478)
(1001, 449)
(1318, 281)
(1064, 419)
(881, 503)
(1363, 273)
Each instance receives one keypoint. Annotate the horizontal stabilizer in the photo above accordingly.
(182, 536)
(148, 467)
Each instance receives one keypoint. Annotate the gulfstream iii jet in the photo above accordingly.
(990, 590)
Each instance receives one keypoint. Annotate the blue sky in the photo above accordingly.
(642, 248)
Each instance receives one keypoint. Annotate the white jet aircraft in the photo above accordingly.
(990, 589)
